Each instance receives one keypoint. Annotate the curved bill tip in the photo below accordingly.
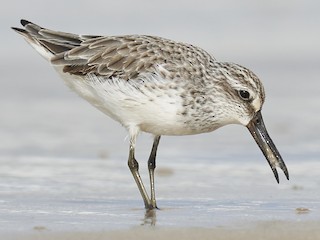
(259, 132)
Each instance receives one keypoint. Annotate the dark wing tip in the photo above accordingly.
(24, 22)
(21, 31)
(18, 29)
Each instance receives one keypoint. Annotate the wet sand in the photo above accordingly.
(262, 230)
(63, 170)
(76, 199)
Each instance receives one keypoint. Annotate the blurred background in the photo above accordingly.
(63, 161)
(278, 40)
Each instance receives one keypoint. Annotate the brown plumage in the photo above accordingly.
(158, 86)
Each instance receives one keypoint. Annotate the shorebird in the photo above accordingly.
(158, 86)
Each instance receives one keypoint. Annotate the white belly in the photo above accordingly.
(149, 105)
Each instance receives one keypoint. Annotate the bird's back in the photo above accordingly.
(138, 80)
(125, 57)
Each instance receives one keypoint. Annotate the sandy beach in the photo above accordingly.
(264, 230)
(72, 199)
(63, 164)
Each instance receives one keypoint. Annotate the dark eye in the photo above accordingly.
(245, 95)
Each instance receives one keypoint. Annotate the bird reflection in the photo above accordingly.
(150, 217)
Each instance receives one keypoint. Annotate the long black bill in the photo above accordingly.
(259, 132)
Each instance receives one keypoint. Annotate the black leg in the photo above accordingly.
(151, 167)
(134, 168)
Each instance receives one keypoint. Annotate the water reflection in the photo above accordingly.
(150, 218)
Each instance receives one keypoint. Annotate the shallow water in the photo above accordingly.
(58, 194)
(63, 164)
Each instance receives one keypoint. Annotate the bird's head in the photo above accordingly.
(244, 97)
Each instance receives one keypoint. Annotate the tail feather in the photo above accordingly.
(48, 42)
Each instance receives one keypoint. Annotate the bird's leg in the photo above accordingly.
(151, 167)
(134, 168)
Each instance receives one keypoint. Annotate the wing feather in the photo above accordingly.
(123, 57)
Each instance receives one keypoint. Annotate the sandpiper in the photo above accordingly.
(155, 85)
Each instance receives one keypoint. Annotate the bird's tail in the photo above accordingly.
(47, 42)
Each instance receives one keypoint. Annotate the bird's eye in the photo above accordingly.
(245, 95)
